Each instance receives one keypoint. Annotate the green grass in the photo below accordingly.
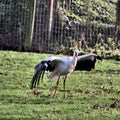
(89, 95)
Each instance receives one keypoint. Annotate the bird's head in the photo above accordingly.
(76, 52)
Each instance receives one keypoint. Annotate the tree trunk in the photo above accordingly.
(30, 25)
(50, 20)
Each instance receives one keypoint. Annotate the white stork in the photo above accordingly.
(58, 67)
(63, 66)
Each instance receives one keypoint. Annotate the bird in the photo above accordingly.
(87, 62)
(58, 67)
(84, 63)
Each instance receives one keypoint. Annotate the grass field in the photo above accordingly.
(90, 96)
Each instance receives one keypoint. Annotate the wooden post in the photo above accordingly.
(50, 20)
(30, 25)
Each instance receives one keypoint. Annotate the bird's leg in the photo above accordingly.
(64, 85)
(56, 86)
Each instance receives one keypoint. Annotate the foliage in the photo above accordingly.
(90, 22)
(96, 20)
(97, 10)
(91, 96)
(14, 13)
(14, 16)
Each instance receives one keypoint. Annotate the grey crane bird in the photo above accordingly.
(84, 62)
(58, 67)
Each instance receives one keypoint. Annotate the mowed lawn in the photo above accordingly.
(91, 95)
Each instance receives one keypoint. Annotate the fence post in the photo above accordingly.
(50, 20)
(30, 25)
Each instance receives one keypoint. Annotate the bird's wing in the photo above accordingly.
(87, 57)
(56, 62)
(87, 62)
(40, 69)
(50, 58)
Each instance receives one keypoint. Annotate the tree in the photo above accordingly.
(30, 24)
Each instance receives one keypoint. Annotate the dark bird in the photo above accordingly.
(87, 62)
(63, 66)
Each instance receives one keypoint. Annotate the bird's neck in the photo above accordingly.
(75, 57)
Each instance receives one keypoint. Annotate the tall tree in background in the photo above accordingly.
(50, 20)
(30, 24)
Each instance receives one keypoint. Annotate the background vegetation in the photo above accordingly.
(89, 24)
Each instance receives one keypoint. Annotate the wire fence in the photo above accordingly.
(58, 25)
(13, 18)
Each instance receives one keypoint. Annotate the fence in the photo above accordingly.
(58, 25)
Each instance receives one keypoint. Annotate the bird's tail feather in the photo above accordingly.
(38, 75)
(53, 76)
